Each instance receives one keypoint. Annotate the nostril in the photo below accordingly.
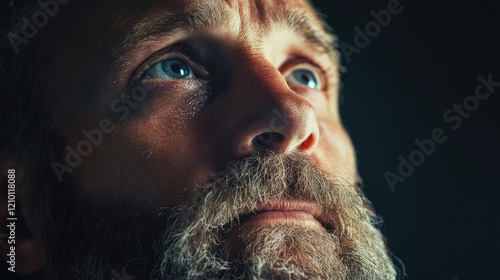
(307, 144)
(267, 140)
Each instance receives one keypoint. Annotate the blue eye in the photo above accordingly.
(170, 69)
(304, 77)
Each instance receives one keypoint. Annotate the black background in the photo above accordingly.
(443, 220)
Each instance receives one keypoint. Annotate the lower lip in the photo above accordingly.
(269, 218)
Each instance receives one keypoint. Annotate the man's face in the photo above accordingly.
(207, 134)
(219, 77)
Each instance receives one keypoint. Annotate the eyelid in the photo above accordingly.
(172, 51)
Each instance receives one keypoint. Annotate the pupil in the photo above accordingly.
(306, 79)
(178, 69)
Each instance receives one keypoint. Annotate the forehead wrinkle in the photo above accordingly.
(151, 28)
(258, 19)
(306, 24)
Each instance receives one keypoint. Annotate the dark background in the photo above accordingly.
(442, 221)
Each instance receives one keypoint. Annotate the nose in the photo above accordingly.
(272, 117)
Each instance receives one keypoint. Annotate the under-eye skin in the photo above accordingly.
(169, 69)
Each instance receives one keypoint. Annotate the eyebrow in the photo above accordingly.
(209, 14)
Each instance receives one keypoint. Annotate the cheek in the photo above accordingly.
(335, 151)
(154, 155)
(146, 162)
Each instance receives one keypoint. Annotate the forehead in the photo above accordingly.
(237, 15)
(247, 20)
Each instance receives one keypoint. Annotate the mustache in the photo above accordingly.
(256, 181)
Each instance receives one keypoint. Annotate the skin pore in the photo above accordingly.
(246, 90)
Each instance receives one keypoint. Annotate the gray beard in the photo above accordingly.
(202, 239)
(205, 242)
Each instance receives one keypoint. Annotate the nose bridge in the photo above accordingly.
(267, 106)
